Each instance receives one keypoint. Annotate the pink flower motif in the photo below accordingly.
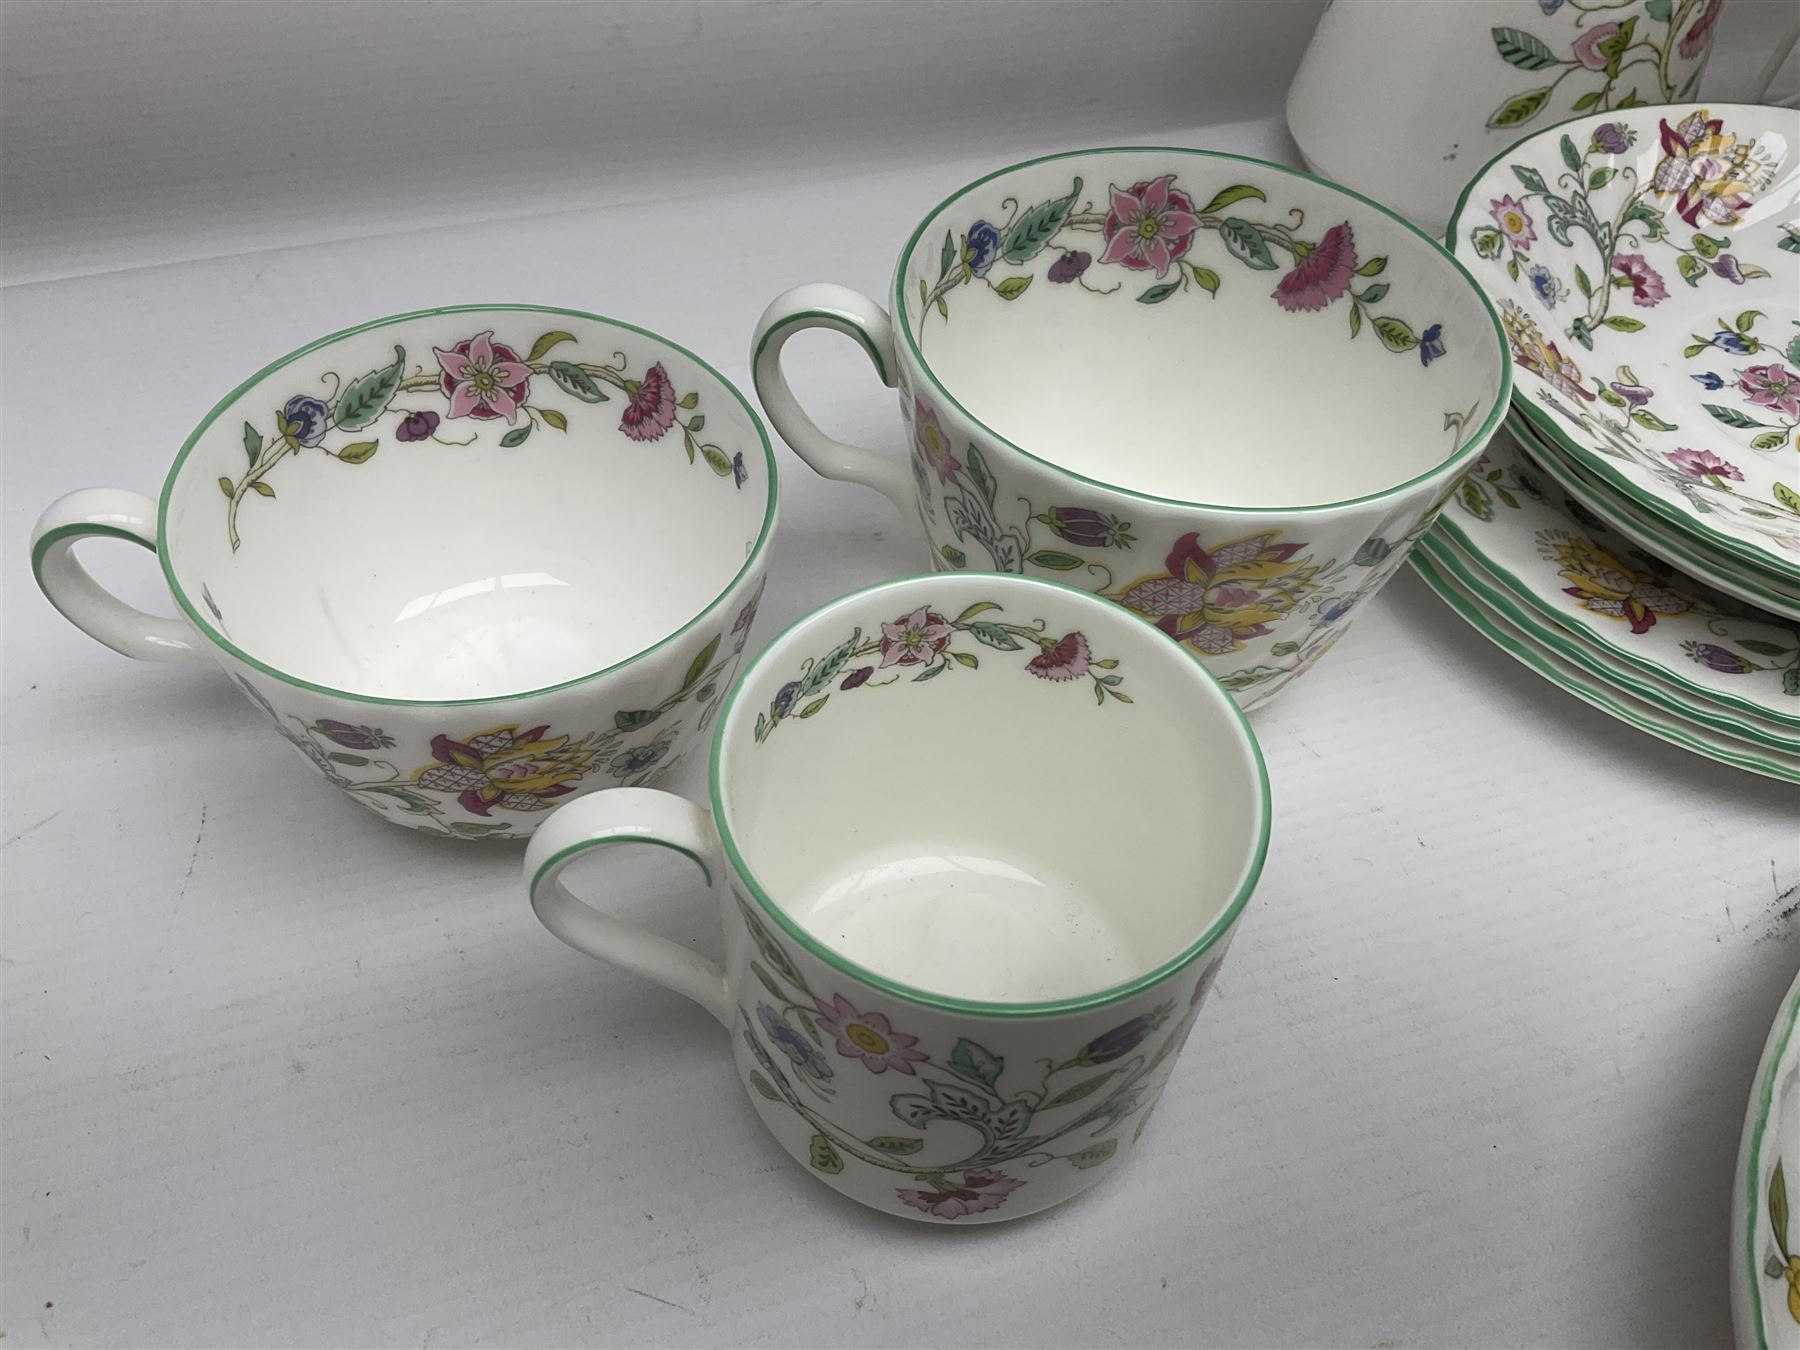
(1647, 287)
(869, 1037)
(1772, 386)
(931, 443)
(1150, 225)
(1694, 41)
(914, 639)
(483, 379)
(980, 1191)
(1702, 464)
(651, 411)
(1587, 46)
(1322, 275)
(1068, 659)
(1514, 221)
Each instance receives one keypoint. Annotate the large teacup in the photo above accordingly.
(980, 843)
(1223, 393)
(470, 561)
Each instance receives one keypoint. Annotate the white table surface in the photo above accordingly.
(278, 1073)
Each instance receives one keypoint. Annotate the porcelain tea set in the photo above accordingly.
(1173, 417)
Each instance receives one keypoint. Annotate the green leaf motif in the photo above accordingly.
(575, 381)
(916, 1110)
(1157, 294)
(541, 348)
(1691, 269)
(253, 443)
(226, 487)
(977, 465)
(366, 399)
(1793, 350)
(1587, 100)
(1037, 227)
(1094, 1154)
(1518, 111)
(896, 1143)
(1762, 648)
(1770, 440)
(631, 721)
(1012, 288)
(1395, 335)
(359, 452)
(515, 437)
(1650, 421)
(1372, 552)
(979, 607)
(341, 757)
(931, 674)
(1076, 1093)
(993, 635)
(1284, 649)
(826, 670)
(1731, 417)
(966, 1057)
(1375, 266)
(1747, 320)
(768, 981)
(715, 460)
(1245, 244)
(954, 556)
(763, 1086)
(1055, 561)
(1624, 323)
(1207, 280)
(823, 1156)
(968, 659)
(1474, 499)
(1599, 178)
(1237, 192)
(1658, 10)
(812, 708)
(946, 255)
(260, 488)
(1375, 294)
(1582, 283)
(1571, 156)
(1787, 496)
(1790, 682)
(1778, 1209)
(1521, 49)
(698, 666)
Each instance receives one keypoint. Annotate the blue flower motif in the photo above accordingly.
(786, 697)
(1545, 285)
(1550, 6)
(983, 247)
(1709, 380)
(791, 1043)
(1333, 610)
(739, 474)
(637, 759)
(1431, 344)
(1727, 341)
(306, 418)
(1530, 486)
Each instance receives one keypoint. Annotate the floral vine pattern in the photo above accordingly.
(1216, 598)
(1150, 227)
(922, 646)
(480, 380)
(511, 767)
(1784, 1262)
(1608, 577)
(1706, 177)
(1025, 1116)
(1611, 50)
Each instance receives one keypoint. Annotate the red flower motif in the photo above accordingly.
(1694, 41)
(1067, 660)
(506, 767)
(980, 1191)
(1149, 226)
(914, 639)
(483, 379)
(651, 411)
(1216, 601)
(1322, 275)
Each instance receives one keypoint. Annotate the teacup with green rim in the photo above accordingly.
(469, 561)
(1223, 393)
(980, 843)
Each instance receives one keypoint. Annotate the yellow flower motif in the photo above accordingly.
(1602, 584)
(1709, 171)
(1542, 358)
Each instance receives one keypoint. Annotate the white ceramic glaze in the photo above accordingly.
(980, 843)
(1647, 268)
(1217, 391)
(1765, 1195)
(1402, 99)
(469, 561)
(1691, 555)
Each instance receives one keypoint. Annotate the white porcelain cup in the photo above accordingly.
(1220, 392)
(469, 561)
(980, 843)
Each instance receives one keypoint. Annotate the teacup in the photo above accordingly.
(470, 561)
(1226, 394)
(967, 928)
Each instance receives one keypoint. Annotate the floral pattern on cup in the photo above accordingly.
(480, 380)
(1784, 1262)
(1619, 58)
(1061, 1109)
(923, 645)
(1603, 241)
(1151, 228)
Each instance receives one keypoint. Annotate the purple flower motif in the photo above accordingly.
(1070, 266)
(1613, 138)
(1702, 464)
(306, 419)
(984, 247)
(1635, 395)
(1322, 275)
(786, 697)
(1431, 344)
(1726, 265)
(739, 474)
(857, 678)
(1090, 529)
(980, 1191)
(353, 738)
(1122, 1039)
(1646, 283)
(417, 427)
(1708, 380)
(1588, 47)
(1721, 659)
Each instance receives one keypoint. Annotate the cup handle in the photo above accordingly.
(113, 514)
(855, 315)
(627, 816)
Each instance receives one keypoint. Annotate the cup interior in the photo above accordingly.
(466, 503)
(990, 789)
(1200, 327)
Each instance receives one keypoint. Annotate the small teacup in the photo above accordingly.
(470, 561)
(1223, 393)
(967, 927)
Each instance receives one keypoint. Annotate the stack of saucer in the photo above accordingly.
(1637, 538)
